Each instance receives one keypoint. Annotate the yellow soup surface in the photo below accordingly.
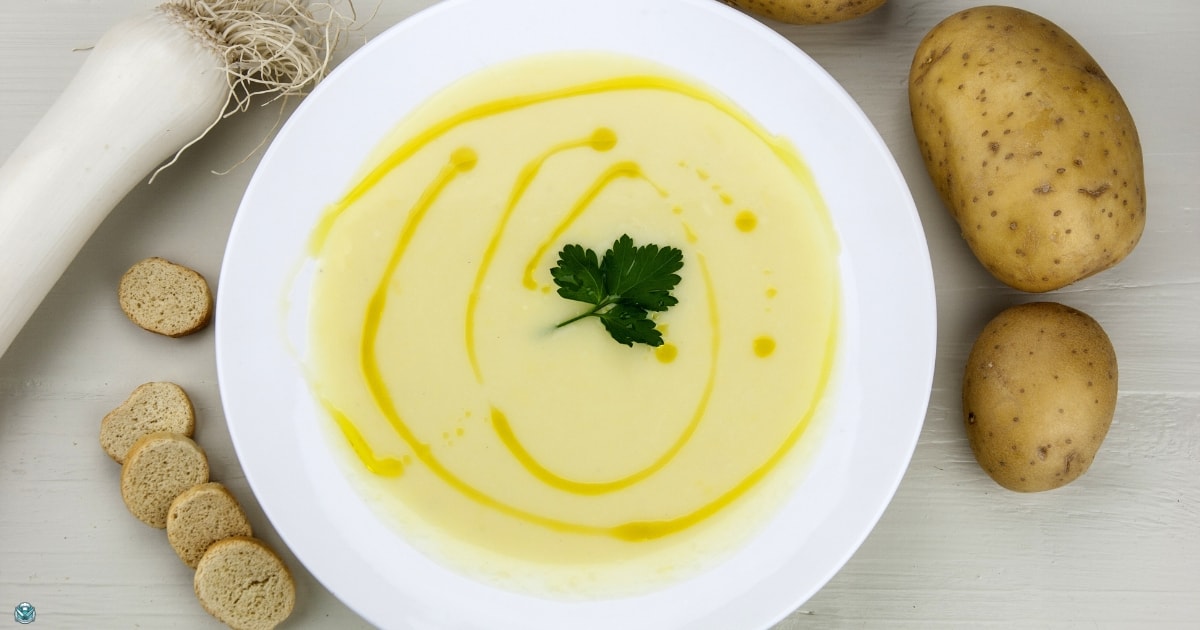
(555, 459)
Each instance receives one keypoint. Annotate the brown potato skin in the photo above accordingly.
(808, 11)
(1039, 392)
(1029, 145)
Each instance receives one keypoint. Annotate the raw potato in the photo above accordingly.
(1030, 146)
(1039, 393)
(808, 11)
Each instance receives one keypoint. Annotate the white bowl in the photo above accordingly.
(888, 326)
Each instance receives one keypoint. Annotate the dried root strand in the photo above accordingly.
(279, 47)
(276, 48)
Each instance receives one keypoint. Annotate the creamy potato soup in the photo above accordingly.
(555, 459)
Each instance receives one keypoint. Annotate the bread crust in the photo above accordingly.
(244, 584)
(164, 297)
(151, 407)
(158, 468)
(202, 515)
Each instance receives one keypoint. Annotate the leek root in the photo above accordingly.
(153, 84)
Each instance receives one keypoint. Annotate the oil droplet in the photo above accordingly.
(459, 431)
(666, 353)
(764, 346)
(464, 159)
(688, 233)
(677, 210)
(745, 221)
(603, 139)
(725, 198)
(772, 292)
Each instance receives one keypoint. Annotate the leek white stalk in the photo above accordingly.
(151, 86)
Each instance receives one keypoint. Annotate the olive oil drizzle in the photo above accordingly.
(504, 105)
(649, 530)
(505, 432)
(620, 169)
(601, 139)
(462, 161)
(382, 466)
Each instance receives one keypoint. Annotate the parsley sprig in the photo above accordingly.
(623, 288)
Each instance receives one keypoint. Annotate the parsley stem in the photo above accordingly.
(593, 312)
(625, 286)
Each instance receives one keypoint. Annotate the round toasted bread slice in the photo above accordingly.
(158, 468)
(151, 408)
(165, 298)
(244, 584)
(202, 515)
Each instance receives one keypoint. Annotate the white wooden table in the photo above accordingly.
(1118, 548)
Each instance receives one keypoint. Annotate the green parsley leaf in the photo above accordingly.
(623, 287)
(630, 324)
(578, 275)
(642, 275)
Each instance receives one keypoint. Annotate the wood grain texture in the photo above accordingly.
(1119, 548)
